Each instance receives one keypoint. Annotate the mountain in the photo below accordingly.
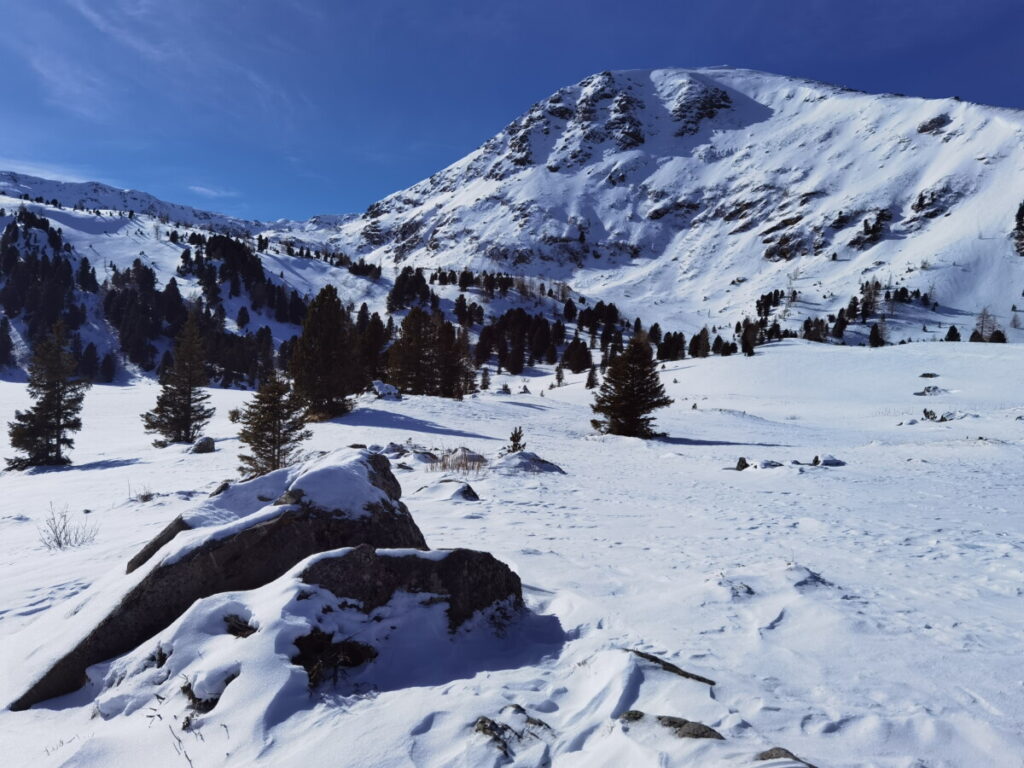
(683, 196)
(687, 194)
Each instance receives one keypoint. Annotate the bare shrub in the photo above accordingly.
(459, 461)
(58, 531)
(142, 495)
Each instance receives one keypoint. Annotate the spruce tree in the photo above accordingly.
(952, 334)
(591, 378)
(181, 411)
(323, 363)
(273, 425)
(630, 392)
(42, 433)
(876, 337)
(6, 343)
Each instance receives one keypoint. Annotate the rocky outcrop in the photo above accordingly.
(176, 526)
(246, 554)
(467, 580)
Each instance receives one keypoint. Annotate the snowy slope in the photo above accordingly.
(859, 615)
(683, 195)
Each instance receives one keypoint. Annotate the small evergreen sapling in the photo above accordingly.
(516, 443)
(273, 426)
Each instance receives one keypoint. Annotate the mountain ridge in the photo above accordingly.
(689, 193)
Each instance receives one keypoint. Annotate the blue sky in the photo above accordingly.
(288, 109)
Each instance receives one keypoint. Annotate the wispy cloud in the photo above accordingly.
(212, 192)
(72, 86)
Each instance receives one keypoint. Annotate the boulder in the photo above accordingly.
(203, 445)
(467, 580)
(781, 753)
(447, 489)
(688, 729)
(828, 460)
(525, 461)
(742, 464)
(176, 526)
(385, 391)
(341, 500)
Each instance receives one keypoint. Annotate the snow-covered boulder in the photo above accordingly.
(385, 391)
(828, 460)
(239, 541)
(524, 461)
(360, 618)
(447, 489)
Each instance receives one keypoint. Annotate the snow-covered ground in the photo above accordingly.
(869, 614)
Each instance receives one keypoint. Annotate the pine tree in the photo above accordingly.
(630, 392)
(485, 379)
(272, 428)
(6, 343)
(89, 365)
(323, 363)
(108, 368)
(876, 337)
(952, 334)
(181, 411)
(41, 434)
(591, 378)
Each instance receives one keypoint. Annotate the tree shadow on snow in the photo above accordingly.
(690, 441)
(104, 464)
(371, 417)
(534, 406)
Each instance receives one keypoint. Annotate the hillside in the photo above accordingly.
(682, 196)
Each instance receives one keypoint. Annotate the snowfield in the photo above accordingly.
(866, 614)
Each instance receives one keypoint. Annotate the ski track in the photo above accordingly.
(862, 615)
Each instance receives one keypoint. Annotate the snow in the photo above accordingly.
(859, 615)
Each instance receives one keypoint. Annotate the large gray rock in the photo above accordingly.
(242, 555)
(204, 445)
(467, 580)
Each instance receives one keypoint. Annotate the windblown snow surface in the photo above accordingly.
(866, 614)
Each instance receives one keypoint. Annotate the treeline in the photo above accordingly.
(42, 282)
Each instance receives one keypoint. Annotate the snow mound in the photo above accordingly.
(447, 489)
(525, 461)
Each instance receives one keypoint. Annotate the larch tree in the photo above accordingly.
(273, 427)
(42, 434)
(631, 391)
(181, 411)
